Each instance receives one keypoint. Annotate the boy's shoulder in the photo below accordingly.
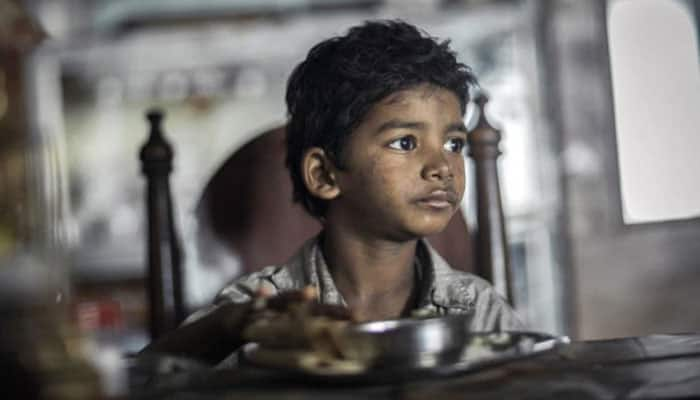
(272, 279)
(460, 292)
(453, 288)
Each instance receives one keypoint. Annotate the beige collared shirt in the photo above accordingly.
(443, 290)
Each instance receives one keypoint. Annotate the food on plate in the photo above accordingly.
(297, 337)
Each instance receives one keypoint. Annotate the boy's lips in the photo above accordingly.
(439, 199)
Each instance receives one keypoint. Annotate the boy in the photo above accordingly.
(375, 151)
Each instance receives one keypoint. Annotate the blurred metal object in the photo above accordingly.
(402, 350)
(443, 345)
(421, 343)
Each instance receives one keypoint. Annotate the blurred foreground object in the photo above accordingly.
(18, 31)
(42, 356)
(18, 34)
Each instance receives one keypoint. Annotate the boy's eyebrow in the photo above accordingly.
(457, 126)
(415, 125)
(399, 124)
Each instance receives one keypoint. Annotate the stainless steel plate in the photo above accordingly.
(391, 351)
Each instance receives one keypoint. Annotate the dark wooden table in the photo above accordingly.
(656, 366)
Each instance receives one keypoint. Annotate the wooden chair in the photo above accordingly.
(247, 205)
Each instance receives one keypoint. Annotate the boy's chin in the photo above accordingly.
(424, 230)
(431, 232)
(433, 225)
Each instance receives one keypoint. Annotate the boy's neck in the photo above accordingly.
(375, 277)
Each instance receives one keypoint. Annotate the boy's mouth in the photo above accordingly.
(439, 199)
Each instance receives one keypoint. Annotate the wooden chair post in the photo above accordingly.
(164, 272)
(492, 261)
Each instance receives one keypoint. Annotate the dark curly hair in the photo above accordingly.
(330, 92)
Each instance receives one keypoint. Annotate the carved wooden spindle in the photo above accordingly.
(164, 280)
(492, 261)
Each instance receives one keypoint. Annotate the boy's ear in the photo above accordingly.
(318, 173)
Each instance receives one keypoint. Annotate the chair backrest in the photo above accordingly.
(247, 205)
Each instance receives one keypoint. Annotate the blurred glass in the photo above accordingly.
(42, 356)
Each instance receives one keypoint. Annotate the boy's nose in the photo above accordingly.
(437, 167)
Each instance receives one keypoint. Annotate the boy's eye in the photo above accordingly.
(455, 145)
(404, 143)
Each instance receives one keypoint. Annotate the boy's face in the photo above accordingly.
(404, 166)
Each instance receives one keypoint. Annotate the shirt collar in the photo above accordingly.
(438, 290)
(428, 264)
